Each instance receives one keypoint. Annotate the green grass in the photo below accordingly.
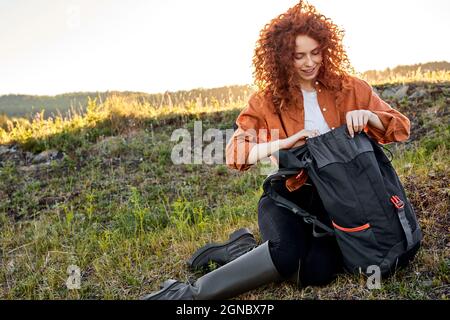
(119, 209)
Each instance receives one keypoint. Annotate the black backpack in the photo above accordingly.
(372, 219)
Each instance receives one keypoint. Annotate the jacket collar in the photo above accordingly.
(321, 82)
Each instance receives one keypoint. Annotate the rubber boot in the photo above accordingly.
(240, 242)
(249, 271)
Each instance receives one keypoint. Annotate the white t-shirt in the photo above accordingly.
(313, 115)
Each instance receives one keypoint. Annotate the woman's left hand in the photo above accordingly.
(357, 120)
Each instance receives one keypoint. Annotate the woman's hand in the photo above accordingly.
(357, 120)
(262, 150)
(298, 138)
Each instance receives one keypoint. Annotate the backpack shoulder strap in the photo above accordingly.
(269, 190)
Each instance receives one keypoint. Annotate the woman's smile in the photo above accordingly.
(309, 72)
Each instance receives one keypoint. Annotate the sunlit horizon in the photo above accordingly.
(51, 47)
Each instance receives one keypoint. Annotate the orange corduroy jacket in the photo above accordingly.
(259, 117)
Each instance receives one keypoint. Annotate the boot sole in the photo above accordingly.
(210, 246)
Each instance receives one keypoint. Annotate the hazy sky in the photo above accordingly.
(57, 46)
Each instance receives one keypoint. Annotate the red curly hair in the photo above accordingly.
(273, 60)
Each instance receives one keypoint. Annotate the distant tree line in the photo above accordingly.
(15, 105)
(18, 105)
(27, 106)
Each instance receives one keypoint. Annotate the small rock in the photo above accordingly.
(47, 155)
(401, 93)
(388, 93)
(418, 94)
(3, 150)
(28, 156)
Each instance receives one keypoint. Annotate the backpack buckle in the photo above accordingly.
(308, 220)
(398, 203)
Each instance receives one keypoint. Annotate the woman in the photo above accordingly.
(305, 89)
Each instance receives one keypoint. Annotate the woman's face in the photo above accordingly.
(307, 57)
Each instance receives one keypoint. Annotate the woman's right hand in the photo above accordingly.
(298, 138)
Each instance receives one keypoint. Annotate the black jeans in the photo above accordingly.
(291, 241)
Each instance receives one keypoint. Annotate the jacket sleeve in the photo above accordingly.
(251, 130)
(396, 124)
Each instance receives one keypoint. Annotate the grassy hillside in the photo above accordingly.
(26, 106)
(109, 200)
